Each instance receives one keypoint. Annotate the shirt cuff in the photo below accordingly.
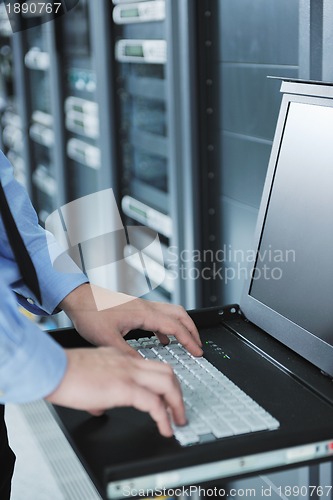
(55, 281)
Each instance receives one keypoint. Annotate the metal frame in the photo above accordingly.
(316, 40)
(21, 90)
(209, 177)
(102, 47)
(184, 184)
(57, 113)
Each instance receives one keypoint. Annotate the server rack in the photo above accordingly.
(85, 127)
(11, 135)
(78, 80)
(67, 148)
(156, 112)
(38, 77)
(81, 111)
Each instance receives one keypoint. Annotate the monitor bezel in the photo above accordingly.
(297, 338)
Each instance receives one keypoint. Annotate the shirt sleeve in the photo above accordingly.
(32, 365)
(43, 250)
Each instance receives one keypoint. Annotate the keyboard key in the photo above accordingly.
(199, 427)
(206, 438)
(147, 353)
(185, 435)
(256, 424)
(238, 425)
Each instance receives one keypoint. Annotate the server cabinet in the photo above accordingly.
(81, 113)
(11, 135)
(154, 113)
(38, 77)
(107, 97)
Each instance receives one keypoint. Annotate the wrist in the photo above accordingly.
(88, 298)
(79, 299)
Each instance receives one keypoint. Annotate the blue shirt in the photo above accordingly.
(31, 364)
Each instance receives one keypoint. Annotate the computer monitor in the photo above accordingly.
(290, 287)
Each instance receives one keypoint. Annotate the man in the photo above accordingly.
(32, 366)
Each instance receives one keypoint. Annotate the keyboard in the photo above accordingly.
(216, 408)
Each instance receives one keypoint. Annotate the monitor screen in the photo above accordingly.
(293, 273)
(289, 292)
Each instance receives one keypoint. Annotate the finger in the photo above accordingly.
(165, 384)
(145, 400)
(164, 339)
(181, 318)
(176, 328)
(179, 313)
(151, 365)
(188, 322)
(120, 343)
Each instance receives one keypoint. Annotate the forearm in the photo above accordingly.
(88, 297)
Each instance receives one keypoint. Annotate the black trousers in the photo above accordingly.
(7, 459)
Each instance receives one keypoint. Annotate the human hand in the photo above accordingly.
(97, 379)
(103, 318)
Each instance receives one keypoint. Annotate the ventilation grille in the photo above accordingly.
(72, 479)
